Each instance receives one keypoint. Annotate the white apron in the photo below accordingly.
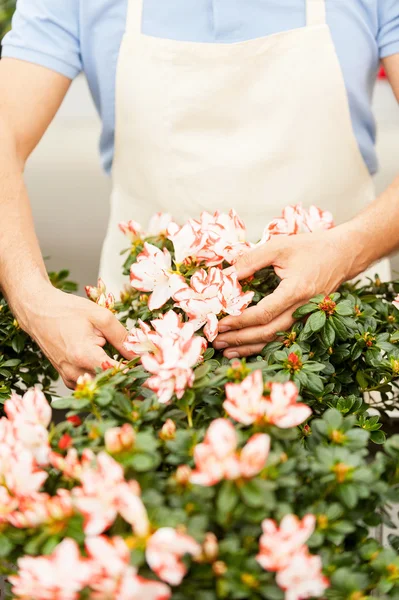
(254, 126)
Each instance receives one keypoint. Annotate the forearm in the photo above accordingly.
(22, 270)
(373, 233)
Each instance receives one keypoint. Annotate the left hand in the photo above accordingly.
(307, 264)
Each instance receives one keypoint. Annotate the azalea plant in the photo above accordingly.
(181, 474)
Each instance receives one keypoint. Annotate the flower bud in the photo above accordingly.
(106, 301)
(168, 431)
(119, 439)
(75, 420)
(219, 568)
(210, 547)
(65, 442)
(183, 474)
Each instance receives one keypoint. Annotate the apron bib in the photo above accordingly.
(254, 126)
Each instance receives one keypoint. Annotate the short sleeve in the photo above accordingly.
(46, 32)
(388, 34)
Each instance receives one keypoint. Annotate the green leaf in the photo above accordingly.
(142, 462)
(202, 371)
(378, 437)
(339, 327)
(333, 418)
(347, 493)
(254, 493)
(13, 362)
(328, 334)
(345, 308)
(62, 403)
(6, 546)
(361, 380)
(316, 321)
(227, 498)
(18, 342)
(304, 310)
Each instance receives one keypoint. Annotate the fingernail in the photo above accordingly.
(232, 355)
(220, 345)
(224, 328)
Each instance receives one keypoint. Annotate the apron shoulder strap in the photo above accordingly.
(134, 20)
(315, 12)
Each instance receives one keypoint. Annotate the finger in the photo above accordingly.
(256, 259)
(255, 335)
(113, 331)
(268, 309)
(242, 351)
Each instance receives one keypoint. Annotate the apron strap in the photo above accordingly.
(134, 20)
(315, 12)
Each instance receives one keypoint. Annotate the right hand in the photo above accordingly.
(72, 332)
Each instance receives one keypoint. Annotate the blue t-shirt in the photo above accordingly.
(70, 36)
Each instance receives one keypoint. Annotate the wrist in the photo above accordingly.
(354, 248)
(27, 301)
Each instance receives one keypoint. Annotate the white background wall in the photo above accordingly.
(70, 194)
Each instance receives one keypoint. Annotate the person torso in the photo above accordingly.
(354, 26)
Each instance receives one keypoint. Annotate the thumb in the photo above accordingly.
(257, 259)
(113, 331)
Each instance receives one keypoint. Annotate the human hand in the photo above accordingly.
(307, 264)
(71, 331)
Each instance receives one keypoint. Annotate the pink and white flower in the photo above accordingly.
(234, 300)
(113, 576)
(164, 552)
(60, 576)
(28, 418)
(33, 407)
(99, 295)
(303, 577)
(210, 294)
(396, 302)
(172, 367)
(217, 457)
(296, 219)
(153, 273)
(169, 352)
(20, 471)
(104, 494)
(93, 292)
(246, 403)
(317, 219)
(277, 545)
(132, 230)
(40, 508)
(211, 239)
(159, 224)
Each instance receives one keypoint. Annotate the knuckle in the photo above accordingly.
(265, 315)
(267, 336)
(104, 317)
(238, 341)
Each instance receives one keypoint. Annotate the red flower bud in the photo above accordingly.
(75, 420)
(65, 442)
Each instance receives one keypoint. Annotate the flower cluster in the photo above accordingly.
(169, 352)
(99, 295)
(217, 457)
(251, 402)
(283, 550)
(296, 219)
